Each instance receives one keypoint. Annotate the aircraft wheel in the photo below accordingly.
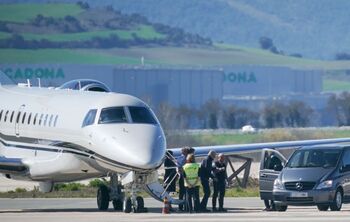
(127, 205)
(281, 208)
(338, 201)
(322, 207)
(118, 205)
(140, 205)
(103, 198)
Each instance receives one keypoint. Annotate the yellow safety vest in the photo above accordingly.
(191, 170)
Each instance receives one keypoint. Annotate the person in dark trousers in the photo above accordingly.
(170, 172)
(219, 183)
(206, 173)
(191, 176)
(181, 161)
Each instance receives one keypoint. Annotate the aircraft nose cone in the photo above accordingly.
(149, 156)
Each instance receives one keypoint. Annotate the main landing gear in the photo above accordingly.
(114, 193)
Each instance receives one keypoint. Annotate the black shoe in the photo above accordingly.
(205, 210)
(215, 209)
(222, 210)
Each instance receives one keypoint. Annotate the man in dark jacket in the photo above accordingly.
(219, 182)
(206, 172)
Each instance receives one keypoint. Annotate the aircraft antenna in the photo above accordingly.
(39, 82)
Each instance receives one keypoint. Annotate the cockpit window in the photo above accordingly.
(89, 118)
(141, 115)
(113, 115)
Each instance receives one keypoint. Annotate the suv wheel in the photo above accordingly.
(281, 207)
(322, 207)
(337, 202)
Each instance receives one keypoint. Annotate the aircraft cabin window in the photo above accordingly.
(55, 122)
(35, 118)
(112, 115)
(1, 115)
(141, 115)
(7, 112)
(24, 117)
(90, 118)
(41, 119)
(18, 117)
(46, 117)
(13, 113)
(29, 118)
(50, 121)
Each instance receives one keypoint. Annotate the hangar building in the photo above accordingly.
(178, 86)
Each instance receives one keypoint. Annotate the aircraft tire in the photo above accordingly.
(127, 205)
(103, 198)
(118, 205)
(140, 205)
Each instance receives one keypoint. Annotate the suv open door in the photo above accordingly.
(271, 164)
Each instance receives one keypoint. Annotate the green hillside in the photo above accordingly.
(145, 32)
(25, 12)
(72, 34)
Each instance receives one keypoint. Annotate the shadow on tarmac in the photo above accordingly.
(149, 210)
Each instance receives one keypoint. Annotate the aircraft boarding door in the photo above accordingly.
(271, 164)
(18, 119)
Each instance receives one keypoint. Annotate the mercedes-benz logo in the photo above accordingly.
(299, 186)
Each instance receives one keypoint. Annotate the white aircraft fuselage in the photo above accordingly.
(68, 135)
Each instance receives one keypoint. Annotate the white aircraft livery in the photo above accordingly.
(54, 135)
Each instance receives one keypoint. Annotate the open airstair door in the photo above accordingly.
(157, 191)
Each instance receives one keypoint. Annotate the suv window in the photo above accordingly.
(346, 157)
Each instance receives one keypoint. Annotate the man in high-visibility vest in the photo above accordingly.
(191, 175)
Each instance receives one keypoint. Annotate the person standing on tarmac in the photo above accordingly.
(181, 161)
(206, 173)
(191, 176)
(219, 183)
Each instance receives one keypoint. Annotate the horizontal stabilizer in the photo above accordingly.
(12, 166)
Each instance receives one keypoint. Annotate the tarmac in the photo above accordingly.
(84, 210)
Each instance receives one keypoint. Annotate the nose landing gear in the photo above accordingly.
(114, 193)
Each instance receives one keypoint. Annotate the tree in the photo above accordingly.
(342, 56)
(298, 114)
(266, 43)
(210, 112)
(235, 118)
(340, 105)
(274, 115)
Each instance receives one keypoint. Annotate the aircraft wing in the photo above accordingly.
(12, 166)
(257, 147)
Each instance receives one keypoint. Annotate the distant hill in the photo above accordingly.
(313, 28)
(70, 33)
(63, 25)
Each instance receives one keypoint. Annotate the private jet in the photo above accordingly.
(82, 130)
